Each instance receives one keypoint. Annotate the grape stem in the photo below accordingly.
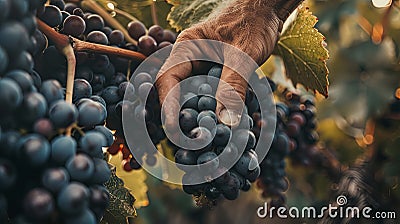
(154, 12)
(68, 51)
(93, 6)
(61, 40)
(80, 45)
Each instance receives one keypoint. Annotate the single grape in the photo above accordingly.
(58, 3)
(92, 142)
(63, 114)
(38, 204)
(99, 200)
(10, 95)
(116, 37)
(44, 127)
(169, 36)
(136, 29)
(94, 22)
(34, 150)
(52, 91)
(106, 132)
(157, 32)
(110, 95)
(80, 167)
(74, 25)
(54, 179)
(82, 89)
(51, 16)
(188, 119)
(207, 103)
(73, 199)
(102, 172)
(13, 38)
(141, 78)
(222, 135)
(22, 78)
(97, 37)
(147, 45)
(63, 148)
(209, 159)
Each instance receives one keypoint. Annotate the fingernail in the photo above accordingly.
(229, 117)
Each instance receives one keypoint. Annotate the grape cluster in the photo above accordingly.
(104, 78)
(46, 175)
(300, 126)
(295, 138)
(198, 121)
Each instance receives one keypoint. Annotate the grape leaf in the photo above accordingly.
(301, 48)
(121, 200)
(134, 181)
(185, 13)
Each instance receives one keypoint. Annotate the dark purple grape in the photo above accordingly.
(147, 45)
(99, 200)
(69, 7)
(63, 114)
(84, 72)
(185, 157)
(51, 16)
(116, 37)
(92, 142)
(8, 174)
(33, 107)
(163, 44)
(157, 32)
(97, 37)
(23, 61)
(74, 25)
(78, 12)
(107, 30)
(80, 167)
(209, 159)
(59, 3)
(222, 135)
(91, 114)
(82, 89)
(44, 127)
(94, 22)
(54, 179)
(169, 36)
(102, 172)
(63, 148)
(19, 8)
(136, 29)
(23, 79)
(110, 95)
(34, 150)
(38, 204)
(13, 38)
(73, 199)
(10, 95)
(207, 103)
(188, 119)
(141, 78)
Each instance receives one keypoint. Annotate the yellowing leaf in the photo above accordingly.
(185, 13)
(134, 181)
(301, 48)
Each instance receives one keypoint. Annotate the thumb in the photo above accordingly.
(230, 97)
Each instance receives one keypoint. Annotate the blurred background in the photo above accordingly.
(363, 38)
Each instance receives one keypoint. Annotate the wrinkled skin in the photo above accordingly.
(253, 26)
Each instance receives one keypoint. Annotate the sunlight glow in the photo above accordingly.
(381, 3)
(110, 5)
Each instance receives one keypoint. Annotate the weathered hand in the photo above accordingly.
(252, 26)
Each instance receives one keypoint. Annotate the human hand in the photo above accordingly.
(252, 26)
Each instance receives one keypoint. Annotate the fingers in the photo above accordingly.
(230, 97)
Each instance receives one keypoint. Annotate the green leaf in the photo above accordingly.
(121, 201)
(185, 13)
(301, 48)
